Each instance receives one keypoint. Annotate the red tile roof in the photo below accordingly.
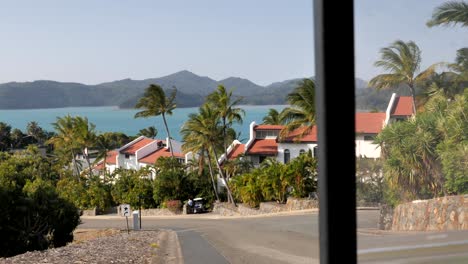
(268, 127)
(136, 146)
(162, 152)
(263, 146)
(371, 123)
(238, 150)
(403, 106)
(295, 135)
(110, 159)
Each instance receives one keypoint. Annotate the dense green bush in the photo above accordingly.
(133, 187)
(33, 217)
(275, 181)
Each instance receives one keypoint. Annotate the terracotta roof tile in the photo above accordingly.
(110, 159)
(155, 155)
(295, 135)
(263, 146)
(403, 106)
(136, 146)
(371, 123)
(268, 127)
(238, 150)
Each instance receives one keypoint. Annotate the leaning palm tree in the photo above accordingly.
(451, 12)
(402, 61)
(223, 103)
(155, 103)
(205, 127)
(196, 140)
(272, 118)
(302, 109)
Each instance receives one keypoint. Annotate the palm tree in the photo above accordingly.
(64, 138)
(150, 132)
(85, 136)
(272, 118)
(402, 61)
(452, 12)
(104, 144)
(302, 109)
(35, 131)
(155, 103)
(223, 103)
(205, 129)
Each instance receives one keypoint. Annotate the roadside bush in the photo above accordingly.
(174, 206)
(171, 182)
(275, 181)
(247, 189)
(33, 217)
(133, 187)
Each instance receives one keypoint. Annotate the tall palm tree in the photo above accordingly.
(150, 132)
(205, 127)
(85, 136)
(195, 140)
(451, 12)
(64, 139)
(155, 102)
(224, 104)
(272, 118)
(302, 109)
(402, 61)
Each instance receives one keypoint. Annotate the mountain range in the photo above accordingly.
(191, 91)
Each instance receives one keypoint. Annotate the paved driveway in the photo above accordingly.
(293, 238)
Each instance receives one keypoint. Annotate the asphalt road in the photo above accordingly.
(293, 239)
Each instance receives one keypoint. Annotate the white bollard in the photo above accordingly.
(136, 222)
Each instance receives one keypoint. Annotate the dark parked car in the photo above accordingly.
(198, 205)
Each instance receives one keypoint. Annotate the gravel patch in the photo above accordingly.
(136, 247)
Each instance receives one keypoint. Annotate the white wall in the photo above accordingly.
(294, 149)
(366, 148)
(110, 168)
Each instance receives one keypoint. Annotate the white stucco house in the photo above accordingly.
(140, 153)
(264, 140)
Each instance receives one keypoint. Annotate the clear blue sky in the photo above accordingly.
(265, 41)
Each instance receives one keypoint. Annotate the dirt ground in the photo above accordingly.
(81, 235)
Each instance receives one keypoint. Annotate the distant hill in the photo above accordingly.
(191, 91)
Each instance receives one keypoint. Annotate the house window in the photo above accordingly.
(127, 156)
(315, 151)
(302, 151)
(369, 137)
(261, 159)
(287, 155)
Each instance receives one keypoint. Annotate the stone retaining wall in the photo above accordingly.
(158, 212)
(439, 214)
(292, 204)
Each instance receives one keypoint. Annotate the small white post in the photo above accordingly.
(136, 222)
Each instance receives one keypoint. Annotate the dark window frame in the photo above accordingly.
(287, 156)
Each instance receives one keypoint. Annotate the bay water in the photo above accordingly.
(113, 119)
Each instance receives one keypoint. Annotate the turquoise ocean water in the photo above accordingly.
(121, 120)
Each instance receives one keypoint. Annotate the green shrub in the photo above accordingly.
(174, 206)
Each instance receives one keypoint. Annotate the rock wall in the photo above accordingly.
(158, 212)
(292, 204)
(439, 214)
